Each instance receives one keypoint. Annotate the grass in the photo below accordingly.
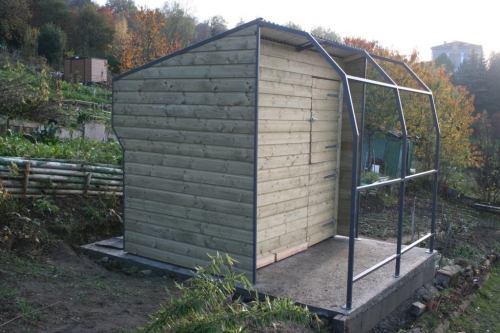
(482, 314)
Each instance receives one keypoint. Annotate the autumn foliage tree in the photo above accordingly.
(147, 42)
(453, 105)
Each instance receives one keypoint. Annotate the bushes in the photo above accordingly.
(16, 145)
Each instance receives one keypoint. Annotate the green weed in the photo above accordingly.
(45, 206)
(8, 293)
(91, 214)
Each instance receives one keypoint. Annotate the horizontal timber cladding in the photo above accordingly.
(356, 68)
(187, 128)
(194, 124)
(296, 204)
(188, 149)
(187, 111)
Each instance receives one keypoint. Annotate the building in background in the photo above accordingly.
(456, 51)
(85, 69)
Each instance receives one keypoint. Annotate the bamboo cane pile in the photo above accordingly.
(41, 177)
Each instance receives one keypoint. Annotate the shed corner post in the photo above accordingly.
(255, 148)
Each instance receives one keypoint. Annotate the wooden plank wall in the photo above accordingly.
(187, 127)
(286, 90)
(87, 77)
(98, 70)
(355, 68)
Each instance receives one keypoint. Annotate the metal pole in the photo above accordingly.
(404, 140)
(435, 183)
(360, 165)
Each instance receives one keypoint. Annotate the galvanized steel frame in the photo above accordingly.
(316, 44)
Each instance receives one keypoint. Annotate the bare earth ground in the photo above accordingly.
(46, 286)
(79, 295)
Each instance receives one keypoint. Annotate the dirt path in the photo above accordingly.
(79, 295)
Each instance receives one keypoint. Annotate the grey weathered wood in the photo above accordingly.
(211, 204)
(182, 85)
(195, 72)
(190, 124)
(213, 58)
(190, 213)
(186, 111)
(206, 229)
(189, 98)
(220, 244)
(179, 248)
(172, 257)
(188, 149)
(201, 138)
(212, 191)
(190, 162)
(190, 175)
(234, 42)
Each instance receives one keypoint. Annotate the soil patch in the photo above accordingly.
(67, 292)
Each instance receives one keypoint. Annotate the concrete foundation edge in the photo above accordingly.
(363, 319)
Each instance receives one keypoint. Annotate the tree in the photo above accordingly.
(51, 44)
(454, 109)
(78, 4)
(14, 18)
(293, 25)
(493, 84)
(323, 32)
(472, 75)
(217, 25)
(147, 43)
(29, 45)
(179, 22)
(487, 172)
(91, 31)
(50, 11)
(203, 31)
(122, 6)
(444, 60)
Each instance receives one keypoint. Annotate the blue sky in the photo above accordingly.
(398, 24)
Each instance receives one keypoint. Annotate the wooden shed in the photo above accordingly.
(239, 144)
(85, 69)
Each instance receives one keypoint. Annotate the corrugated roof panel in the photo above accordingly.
(288, 38)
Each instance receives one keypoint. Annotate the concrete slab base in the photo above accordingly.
(317, 278)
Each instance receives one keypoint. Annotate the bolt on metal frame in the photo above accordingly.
(316, 44)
